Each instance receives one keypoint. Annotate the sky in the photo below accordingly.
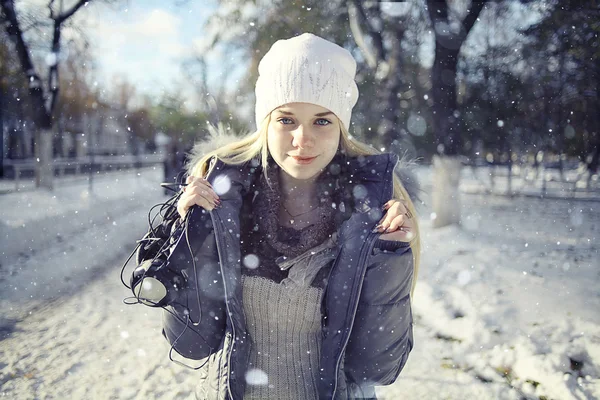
(146, 41)
(141, 41)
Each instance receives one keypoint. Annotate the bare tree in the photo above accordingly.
(387, 64)
(212, 93)
(450, 33)
(381, 36)
(43, 99)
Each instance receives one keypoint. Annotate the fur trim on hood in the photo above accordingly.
(220, 136)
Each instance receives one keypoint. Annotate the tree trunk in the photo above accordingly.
(448, 138)
(44, 171)
(446, 194)
(592, 166)
(389, 127)
(510, 165)
(447, 165)
(43, 103)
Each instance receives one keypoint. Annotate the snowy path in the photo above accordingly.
(513, 295)
(510, 299)
(65, 332)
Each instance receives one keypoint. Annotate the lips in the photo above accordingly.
(303, 159)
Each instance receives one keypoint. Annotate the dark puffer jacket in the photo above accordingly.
(367, 320)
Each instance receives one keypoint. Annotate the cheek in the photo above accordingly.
(273, 140)
(333, 141)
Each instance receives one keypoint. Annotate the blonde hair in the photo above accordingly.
(251, 145)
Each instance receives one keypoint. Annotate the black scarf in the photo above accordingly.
(333, 209)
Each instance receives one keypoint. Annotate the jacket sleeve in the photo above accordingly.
(382, 334)
(204, 304)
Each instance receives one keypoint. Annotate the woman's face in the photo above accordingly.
(303, 130)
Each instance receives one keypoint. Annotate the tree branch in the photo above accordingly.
(36, 91)
(473, 14)
(67, 14)
(376, 37)
(53, 68)
(51, 9)
(438, 11)
(359, 37)
(53, 88)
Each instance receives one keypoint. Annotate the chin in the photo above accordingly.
(302, 171)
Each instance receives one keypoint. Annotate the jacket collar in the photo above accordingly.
(361, 167)
(361, 170)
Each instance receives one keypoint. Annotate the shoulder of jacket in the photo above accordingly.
(404, 169)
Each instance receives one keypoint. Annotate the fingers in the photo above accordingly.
(198, 191)
(394, 209)
(393, 201)
(388, 204)
(396, 216)
(190, 179)
(399, 235)
(202, 187)
(185, 203)
(401, 221)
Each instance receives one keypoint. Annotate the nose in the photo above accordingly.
(302, 138)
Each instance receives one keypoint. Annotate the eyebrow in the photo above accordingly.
(323, 114)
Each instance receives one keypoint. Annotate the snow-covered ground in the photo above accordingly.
(506, 306)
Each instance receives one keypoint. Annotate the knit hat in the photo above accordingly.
(306, 69)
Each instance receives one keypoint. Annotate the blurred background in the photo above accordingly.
(495, 105)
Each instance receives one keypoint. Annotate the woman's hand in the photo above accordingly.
(397, 223)
(198, 191)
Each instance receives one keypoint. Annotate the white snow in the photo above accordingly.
(489, 308)
(506, 306)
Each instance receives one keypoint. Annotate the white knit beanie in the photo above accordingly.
(306, 69)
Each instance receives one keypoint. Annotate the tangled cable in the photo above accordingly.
(154, 283)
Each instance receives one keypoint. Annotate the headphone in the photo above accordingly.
(155, 282)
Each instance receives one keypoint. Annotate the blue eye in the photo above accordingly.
(281, 119)
(318, 122)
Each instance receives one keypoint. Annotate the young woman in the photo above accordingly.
(305, 245)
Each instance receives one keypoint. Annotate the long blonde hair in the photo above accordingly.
(253, 144)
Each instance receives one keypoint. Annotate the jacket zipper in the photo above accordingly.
(217, 228)
(215, 220)
(367, 249)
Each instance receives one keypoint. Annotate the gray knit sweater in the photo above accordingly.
(284, 323)
(283, 280)
(286, 340)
